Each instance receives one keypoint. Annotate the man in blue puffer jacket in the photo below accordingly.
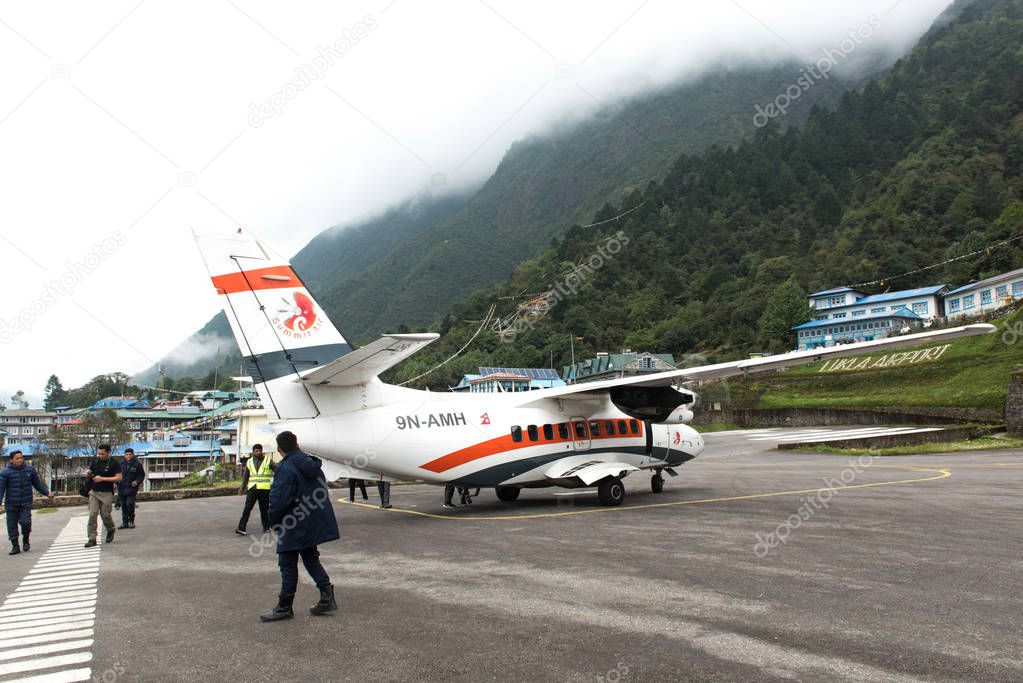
(16, 483)
(303, 517)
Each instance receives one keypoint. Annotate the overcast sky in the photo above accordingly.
(125, 124)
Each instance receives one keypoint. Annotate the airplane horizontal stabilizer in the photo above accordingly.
(363, 364)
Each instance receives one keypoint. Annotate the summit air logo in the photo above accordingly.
(298, 318)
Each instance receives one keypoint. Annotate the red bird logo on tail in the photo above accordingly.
(301, 315)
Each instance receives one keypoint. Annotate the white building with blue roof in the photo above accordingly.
(987, 295)
(846, 315)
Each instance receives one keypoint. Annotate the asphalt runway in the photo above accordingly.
(754, 563)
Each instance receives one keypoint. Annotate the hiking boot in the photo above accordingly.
(14, 549)
(326, 603)
(282, 610)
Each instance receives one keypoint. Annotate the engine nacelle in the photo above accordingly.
(669, 405)
(681, 415)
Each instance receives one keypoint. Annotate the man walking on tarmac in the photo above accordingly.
(16, 483)
(256, 484)
(301, 512)
(132, 476)
(104, 472)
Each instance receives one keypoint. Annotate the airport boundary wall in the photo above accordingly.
(826, 417)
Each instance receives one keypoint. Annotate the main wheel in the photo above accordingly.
(507, 493)
(657, 483)
(611, 491)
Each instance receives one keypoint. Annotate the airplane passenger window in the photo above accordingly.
(634, 426)
(516, 433)
(580, 430)
(609, 427)
(594, 429)
(548, 432)
(534, 434)
(562, 430)
(621, 427)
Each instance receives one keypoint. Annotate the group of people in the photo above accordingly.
(18, 480)
(383, 488)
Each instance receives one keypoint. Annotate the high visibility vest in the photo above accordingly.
(260, 478)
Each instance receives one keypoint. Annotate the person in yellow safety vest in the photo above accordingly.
(256, 482)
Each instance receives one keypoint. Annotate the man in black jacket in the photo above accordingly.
(132, 476)
(104, 472)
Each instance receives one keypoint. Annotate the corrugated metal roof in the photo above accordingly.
(833, 322)
(902, 294)
(1012, 274)
(835, 291)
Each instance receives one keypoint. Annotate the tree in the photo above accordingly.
(55, 395)
(18, 399)
(785, 308)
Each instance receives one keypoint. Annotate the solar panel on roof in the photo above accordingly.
(535, 373)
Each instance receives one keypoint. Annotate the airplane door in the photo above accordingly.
(580, 434)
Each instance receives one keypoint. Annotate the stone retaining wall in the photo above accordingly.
(827, 417)
(893, 440)
(1014, 405)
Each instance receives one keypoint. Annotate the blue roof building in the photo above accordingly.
(489, 380)
(867, 327)
(846, 303)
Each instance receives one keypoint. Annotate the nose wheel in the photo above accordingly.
(657, 482)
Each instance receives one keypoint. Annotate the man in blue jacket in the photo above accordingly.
(132, 476)
(302, 515)
(16, 483)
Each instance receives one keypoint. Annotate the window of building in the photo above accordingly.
(954, 305)
(1017, 288)
(1002, 291)
(820, 317)
(516, 433)
(879, 309)
(594, 429)
(836, 300)
(920, 308)
(985, 297)
(548, 432)
(840, 315)
(646, 363)
(562, 430)
(634, 426)
(969, 301)
(861, 312)
(534, 433)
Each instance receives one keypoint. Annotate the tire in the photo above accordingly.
(507, 493)
(611, 491)
(657, 483)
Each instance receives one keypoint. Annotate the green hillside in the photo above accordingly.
(972, 373)
(545, 184)
(917, 167)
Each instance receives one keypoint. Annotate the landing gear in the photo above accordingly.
(508, 493)
(611, 491)
(657, 482)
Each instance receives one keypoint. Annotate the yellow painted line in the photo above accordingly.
(942, 474)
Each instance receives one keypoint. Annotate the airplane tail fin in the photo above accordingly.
(281, 331)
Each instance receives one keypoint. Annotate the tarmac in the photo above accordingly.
(753, 563)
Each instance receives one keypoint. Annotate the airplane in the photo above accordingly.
(313, 382)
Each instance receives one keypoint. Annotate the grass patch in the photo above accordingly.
(973, 373)
(985, 443)
(44, 511)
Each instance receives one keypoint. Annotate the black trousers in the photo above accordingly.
(352, 483)
(19, 515)
(384, 489)
(253, 496)
(127, 501)
(288, 562)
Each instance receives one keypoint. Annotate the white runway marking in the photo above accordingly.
(47, 622)
(803, 435)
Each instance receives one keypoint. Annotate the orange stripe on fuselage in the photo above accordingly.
(504, 444)
(232, 283)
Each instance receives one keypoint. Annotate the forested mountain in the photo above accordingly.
(545, 184)
(917, 167)
(408, 265)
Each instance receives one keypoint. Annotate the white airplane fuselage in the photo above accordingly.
(471, 438)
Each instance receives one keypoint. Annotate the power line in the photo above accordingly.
(486, 320)
(988, 249)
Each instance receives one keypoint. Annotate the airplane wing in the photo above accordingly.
(748, 366)
(363, 364)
